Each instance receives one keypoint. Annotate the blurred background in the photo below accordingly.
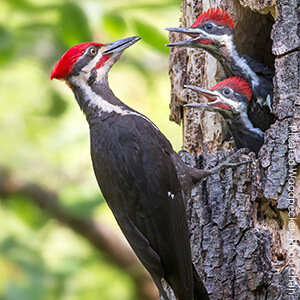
(58, 239)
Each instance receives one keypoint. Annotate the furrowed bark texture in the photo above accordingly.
(244, 222)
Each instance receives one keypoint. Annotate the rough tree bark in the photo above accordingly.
(244, 223)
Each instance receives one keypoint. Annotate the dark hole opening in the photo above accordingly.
(280, 257)
(253, 36)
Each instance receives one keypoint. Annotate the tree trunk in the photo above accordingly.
(244, 222)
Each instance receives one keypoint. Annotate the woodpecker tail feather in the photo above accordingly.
(159, 286)
(200, 292)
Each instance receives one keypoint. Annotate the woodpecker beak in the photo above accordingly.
(196, 34)
(211, 96)
(120, 45)
(187, 43)
(215, 100)
(192, 32)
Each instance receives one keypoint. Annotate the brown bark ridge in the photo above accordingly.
(245, 222)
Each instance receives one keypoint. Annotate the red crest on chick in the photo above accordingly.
(216, 15)
(238, 84)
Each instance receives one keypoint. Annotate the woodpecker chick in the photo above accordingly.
(213, 31)
(230, 98)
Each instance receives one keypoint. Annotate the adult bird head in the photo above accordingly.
(212, 30)
(229, 97)
(90, 62)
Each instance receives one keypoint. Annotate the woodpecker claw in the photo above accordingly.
(234, 165)
(181, 152)
(228, 164)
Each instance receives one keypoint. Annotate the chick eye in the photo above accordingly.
(208, 27)
(93, 51)
(226, 92)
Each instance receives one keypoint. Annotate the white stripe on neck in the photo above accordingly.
(249, 125)
(242, 64)
(230, 51)
(94, 100)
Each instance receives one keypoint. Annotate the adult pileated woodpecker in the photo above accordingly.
(230, 98)
(141, 177)
(213, 31)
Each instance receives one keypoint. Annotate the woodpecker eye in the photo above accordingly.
(93, 51)
(208, 27)
(226, 92)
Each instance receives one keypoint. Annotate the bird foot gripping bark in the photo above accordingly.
(228, 163)
(195, 175)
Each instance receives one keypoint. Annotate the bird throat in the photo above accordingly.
(98, 102)
(235, 65)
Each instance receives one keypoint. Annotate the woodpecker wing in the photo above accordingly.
(140, 184)
(259, 68)
(260, 107)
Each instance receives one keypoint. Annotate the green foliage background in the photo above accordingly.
(44, 136)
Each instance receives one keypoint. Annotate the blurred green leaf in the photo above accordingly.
(114, 24)
(84, 209)
(30, 8)
(73, 25)
(26, 211)
(7, 45)
(80, 201)
(151, 36)
(150, 5)
(58, 105)
(24, 259)
(36, 26)
(22, 5)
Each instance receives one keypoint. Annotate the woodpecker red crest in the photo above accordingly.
(64, 66)
(216, 15)
(238, 84)
(230, 98)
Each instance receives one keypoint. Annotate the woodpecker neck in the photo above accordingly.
(236, 65)
(242, 126)
(245, 135)
(98, 102)
(96, 99)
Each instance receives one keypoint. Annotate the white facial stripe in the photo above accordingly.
(195, 30)
(227, 40)
(92, 64)
(94, 99)
(101, 72)
(248, 124)
(230, 102)
(242, 108)
(241, 62)
(86, 70)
